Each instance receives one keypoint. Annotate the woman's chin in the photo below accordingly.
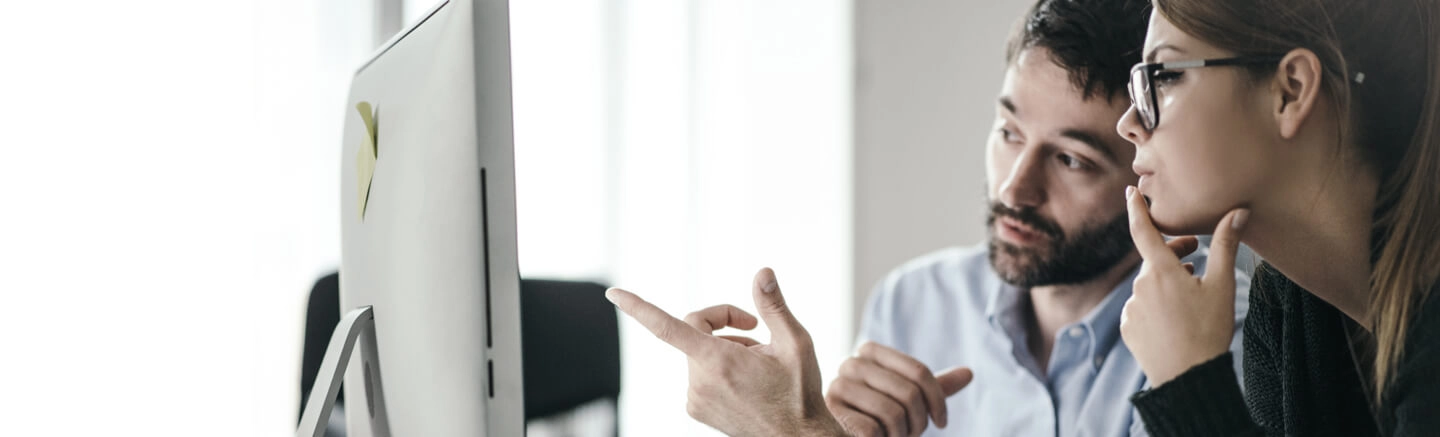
(1176, 223)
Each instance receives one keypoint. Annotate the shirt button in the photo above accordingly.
(1099, 361)
(1076, 332)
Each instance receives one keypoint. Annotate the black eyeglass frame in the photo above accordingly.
(1150, 114)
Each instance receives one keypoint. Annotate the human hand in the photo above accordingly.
(738, 385)
(1174, 320)
(883, 392)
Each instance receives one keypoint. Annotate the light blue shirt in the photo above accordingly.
(950, 309)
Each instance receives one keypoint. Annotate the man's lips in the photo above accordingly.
(1017, 232)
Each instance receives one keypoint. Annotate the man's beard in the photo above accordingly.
(1091, 252)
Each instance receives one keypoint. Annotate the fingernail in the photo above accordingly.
(770, 287)
(1241, 217)
(610, 295)
(1129, 191)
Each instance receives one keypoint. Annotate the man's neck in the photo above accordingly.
(1054, 306)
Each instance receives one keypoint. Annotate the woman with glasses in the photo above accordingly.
(1308, 129)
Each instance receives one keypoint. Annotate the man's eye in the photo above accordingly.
(1009, 136)
(1071, 162)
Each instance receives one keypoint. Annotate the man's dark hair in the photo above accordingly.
(1097, 41)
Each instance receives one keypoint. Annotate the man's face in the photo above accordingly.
(1057, 172)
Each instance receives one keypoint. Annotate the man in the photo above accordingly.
(1033, 315)
(1028, 323)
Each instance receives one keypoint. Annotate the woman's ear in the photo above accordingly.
(1298, 80)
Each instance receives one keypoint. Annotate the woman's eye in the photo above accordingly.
(1166, 78)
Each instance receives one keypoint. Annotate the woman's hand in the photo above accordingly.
(1173, 320)
(737, 385)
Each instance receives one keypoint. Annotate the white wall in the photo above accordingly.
(927, 75)
(167, 198)
(674, 148)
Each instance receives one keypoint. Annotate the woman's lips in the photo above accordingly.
(1141, 169)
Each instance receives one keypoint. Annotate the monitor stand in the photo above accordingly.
(357, 326)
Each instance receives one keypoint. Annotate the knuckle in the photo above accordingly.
(895, 420)
(915, 396)
(776, 306)
(917, 371)
(803, 342)
(894, 413)
(694, 318)
(868, 349)
(851, 367)
(843, 388)
(665, 333)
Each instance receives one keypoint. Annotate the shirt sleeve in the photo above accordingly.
(1242, 310)
(1137, 425)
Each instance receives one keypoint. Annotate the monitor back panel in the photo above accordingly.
(434, 251)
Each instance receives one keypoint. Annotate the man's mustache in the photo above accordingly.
(1027, 217)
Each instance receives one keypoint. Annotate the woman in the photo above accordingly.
(1313, 140)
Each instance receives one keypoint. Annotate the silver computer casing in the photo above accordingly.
(434, 253)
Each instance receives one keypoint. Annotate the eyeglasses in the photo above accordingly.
(1142, 78)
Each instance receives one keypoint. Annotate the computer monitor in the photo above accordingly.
(428, 229)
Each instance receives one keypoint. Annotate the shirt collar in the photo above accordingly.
(1005, 312)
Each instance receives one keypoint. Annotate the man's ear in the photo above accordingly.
(1297, 85)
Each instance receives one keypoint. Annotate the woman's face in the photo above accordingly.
(1212, 147)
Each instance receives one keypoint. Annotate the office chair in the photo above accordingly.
(569, 332)
(571, 346)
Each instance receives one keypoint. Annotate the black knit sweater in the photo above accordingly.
(1300, 376)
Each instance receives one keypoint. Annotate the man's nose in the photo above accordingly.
(1025, 188)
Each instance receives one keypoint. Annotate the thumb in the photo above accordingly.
(773, 310)
(951, 381)
(1224, 245)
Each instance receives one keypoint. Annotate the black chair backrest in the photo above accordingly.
(321, 315)
(571, 345)
(570, 339)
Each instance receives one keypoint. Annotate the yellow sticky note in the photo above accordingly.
(365, 160)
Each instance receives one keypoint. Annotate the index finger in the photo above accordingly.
(1148, 240)
(665, 327)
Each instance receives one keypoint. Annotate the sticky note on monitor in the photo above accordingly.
(365, 159)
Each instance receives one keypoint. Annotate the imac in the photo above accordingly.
(429, 282)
